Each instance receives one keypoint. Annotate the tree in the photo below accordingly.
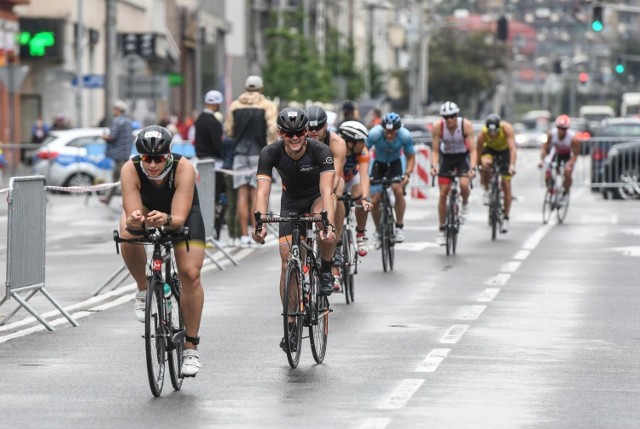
(465, 67)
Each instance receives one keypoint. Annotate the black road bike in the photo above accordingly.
(386, 223)
(349, 249)
(164, 330)
(302, 302)
(496, 199)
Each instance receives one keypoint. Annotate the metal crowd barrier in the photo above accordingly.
(26, 233)
(615, 166)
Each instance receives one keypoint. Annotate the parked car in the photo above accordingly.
(622, 167)
(76, 157)
(612, 132)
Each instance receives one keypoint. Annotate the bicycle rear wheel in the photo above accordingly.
(155, 336)
(391, 223)
(563, 207)
(385, 240)
(176, 342)
(450, 229)
(547, 206)
(319, 328)
(292, 308)
(349, 255)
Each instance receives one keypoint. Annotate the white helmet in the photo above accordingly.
(449, 108)
(353, 130)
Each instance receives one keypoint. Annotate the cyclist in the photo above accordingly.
(356, 176)
(496, 142)
(306, 168)
(562, 145)
(318, 130)
(158, 189)
(453, 148)
(389, 140)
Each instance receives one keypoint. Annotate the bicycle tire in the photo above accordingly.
(347, 252)
(176, 342)
(384, 238)
(548, 206)
(563, 208)
(392, 237)
(292, 307)
(155, 336)
(456, 229)
(449, 227)
(319, 327)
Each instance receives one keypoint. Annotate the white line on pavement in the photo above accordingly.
(376, 423)
(433, 360)
(454, 334)
(402, 394)
(488, 294)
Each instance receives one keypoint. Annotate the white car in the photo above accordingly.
(76, 157)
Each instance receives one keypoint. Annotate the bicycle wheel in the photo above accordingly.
(176, 342)
(319, 328)
(155, 336)
(563, 207)
(347, 252)
(494, 206)
(292, 308)
(385, 239)
(456, 229)
(548, 205)
(449, 228)
(392, 236)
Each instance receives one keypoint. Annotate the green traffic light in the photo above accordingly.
(597, 26)
(619, 68)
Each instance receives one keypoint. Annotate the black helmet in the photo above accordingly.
(292, 120)
(391, 121)
(317, 117)
(153, 140)
(492, 122)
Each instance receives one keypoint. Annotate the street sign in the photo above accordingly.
(91, 81)
(12, 76)
(135, 86)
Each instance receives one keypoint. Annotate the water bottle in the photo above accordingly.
(167, 296)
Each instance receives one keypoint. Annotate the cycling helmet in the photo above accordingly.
(563, 121)
(352, 131)
(449, 108)
(391, 121)
(317, 117)
(153, 140)
(493, 122)
(292, 120)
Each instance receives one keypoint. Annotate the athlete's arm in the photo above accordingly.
(436, 129)
(575, 150)
(471, 144)
(510, 135)
(544, 150)
(339, 151)
(131, 199)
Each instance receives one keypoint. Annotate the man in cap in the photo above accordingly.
(251, 123)
(119, 141)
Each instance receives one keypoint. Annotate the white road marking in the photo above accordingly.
(499, 280)
(376, 423)
(538, 235)
(472, 312)
(415, 247)
(454, 334)
(433, 360)
(626, 251)
(489, 294)
(402, 394)
(511, 267)
(522, 255)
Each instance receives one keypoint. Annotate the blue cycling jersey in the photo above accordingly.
(389, 151)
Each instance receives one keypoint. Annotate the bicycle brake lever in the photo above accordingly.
(257, 216)
(116, 238)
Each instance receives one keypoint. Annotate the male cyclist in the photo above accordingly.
(496, 143)
(318, 130)
(158, 189)
(356, 176)
(306, 168)
(562, 146)
(389, 140)
(453, 150)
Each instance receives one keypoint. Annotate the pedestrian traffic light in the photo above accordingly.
(619, 65)
(502, 30)
(597, 24)
(583, 78)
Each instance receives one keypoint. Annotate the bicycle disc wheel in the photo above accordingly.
(319, 329)
(155, 336)
(563, 207)
(292, 308)
(547, 206)
(176, 343)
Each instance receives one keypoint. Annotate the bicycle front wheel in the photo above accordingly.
(319, 328)
(347, 268)
(385, 240)
(563, 207)
(292, 314)
(548, 206)
(176, 340)
(450, 229)
(155, 336)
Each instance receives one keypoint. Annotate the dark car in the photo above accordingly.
(622, 169)
(612, 132)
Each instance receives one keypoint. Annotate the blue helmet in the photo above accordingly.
(391, 121)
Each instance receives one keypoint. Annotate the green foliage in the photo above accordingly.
(463, 65)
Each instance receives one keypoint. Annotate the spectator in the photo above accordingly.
(39, 131)
(349, 112)
(376, 118)
(208, 142)
(119, 142)
(251, 123)
(60, 123)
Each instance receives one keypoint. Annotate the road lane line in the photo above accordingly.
(472, 312)
(489, 294)
(402, 394)
(535, 238)
(376, 423)
(522, 255)
(499, 280)
(454, 334)
(433, 360)
(511, 267)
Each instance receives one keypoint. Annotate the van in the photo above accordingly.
(594, 114)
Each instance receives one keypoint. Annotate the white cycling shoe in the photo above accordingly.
(140, 304)
(190, 362)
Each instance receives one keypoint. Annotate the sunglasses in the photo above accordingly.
(449, 116)
(316, 129)
(294, 133)
(155, 158)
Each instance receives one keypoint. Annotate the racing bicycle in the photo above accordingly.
(349, 248)
(302, 304)
(386, 223)
(496, 200)
(164, 331)
(554, 198)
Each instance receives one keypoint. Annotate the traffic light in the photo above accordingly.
(619, 65)
(502, 30)
(583, 77)
(597, 24)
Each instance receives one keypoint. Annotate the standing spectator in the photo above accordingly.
(376, 118)
(39, 131)
(251, 122)
(208, 142)
(231, 212)
(119, 142)
(349, 112)
(60, 122)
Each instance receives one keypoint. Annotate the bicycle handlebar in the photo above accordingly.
(386, 181)
(153, 235)
(309, 217)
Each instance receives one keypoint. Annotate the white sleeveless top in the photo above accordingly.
(453, 142)
(563, 146)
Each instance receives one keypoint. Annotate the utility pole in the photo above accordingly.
(198, 57)
(110, 55)
(79, 59)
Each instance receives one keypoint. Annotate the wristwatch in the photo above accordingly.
(168, 222)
